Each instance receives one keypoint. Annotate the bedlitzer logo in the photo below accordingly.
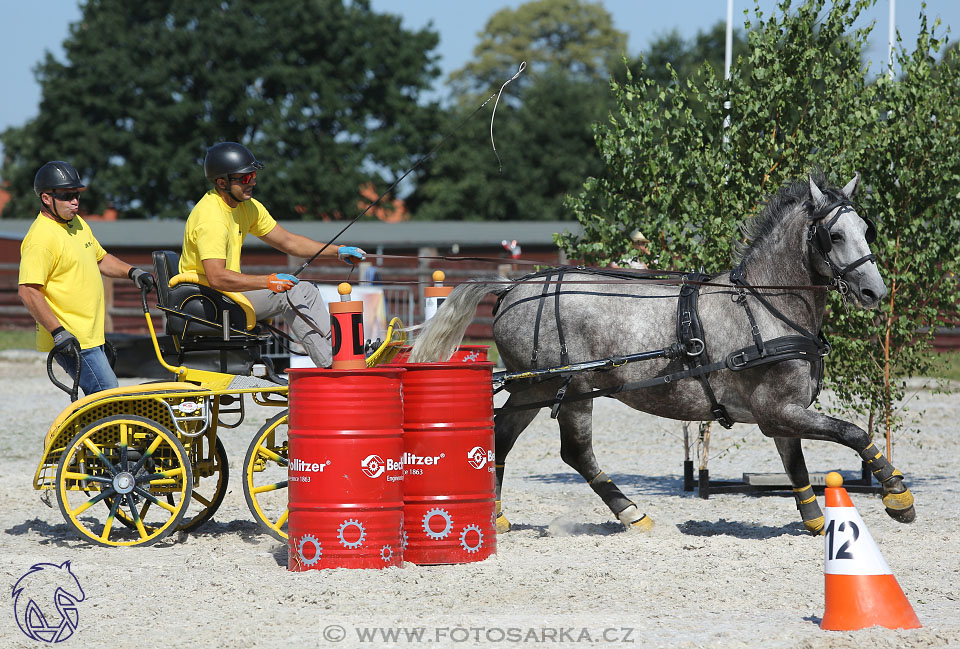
(297, 464)
(414, 459)
(478, 457)
(373, 466)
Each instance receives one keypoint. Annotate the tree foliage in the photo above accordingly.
(546, 148)
(542, 129)
(799, 99)
(325, 92)
(574, 36)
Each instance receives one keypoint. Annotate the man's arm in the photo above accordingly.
(296, 244)
(222, 279)
(111, 266)
(35, 300)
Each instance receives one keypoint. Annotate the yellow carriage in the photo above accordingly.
(132, 464)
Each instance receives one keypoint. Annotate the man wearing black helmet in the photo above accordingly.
(214, 235)
(61, 264)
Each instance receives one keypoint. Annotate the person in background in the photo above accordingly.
(213, 238)
(61, 269)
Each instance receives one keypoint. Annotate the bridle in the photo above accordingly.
(818, 235)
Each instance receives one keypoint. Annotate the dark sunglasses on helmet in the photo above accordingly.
(243, 179)
(65, 196)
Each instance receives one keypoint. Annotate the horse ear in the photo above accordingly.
(851, 187)
(816, 194)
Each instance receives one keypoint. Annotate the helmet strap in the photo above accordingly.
(52, 211)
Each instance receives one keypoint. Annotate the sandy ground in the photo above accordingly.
(730, 571)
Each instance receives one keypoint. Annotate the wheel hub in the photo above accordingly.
(123, 482)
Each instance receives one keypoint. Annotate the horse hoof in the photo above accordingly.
(903, 515)
(503, 525)
(815, 526)
(632, 519)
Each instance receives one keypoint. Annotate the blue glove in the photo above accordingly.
(351, 254)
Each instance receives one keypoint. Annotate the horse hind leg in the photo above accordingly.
(897, 498)
(791, 454)
(507, 427)
(576, 449)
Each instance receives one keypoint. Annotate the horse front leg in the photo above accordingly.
(576, 449)
(897, 499)
(791, 454)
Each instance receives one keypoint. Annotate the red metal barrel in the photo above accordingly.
(448, 510)
(345, 468)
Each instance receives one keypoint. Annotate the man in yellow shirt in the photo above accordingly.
(60, 283)
(214, 235)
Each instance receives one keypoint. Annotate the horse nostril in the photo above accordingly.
(869, 296)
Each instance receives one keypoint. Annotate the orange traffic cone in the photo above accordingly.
(860, 589)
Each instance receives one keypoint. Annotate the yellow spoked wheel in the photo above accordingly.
(265, 476)
(212, 471)
(124, 466)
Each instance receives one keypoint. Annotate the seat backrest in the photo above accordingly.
(166, 264)
(192, 300)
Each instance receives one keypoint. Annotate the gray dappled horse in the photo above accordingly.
(753, 355)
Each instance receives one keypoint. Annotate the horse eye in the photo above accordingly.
(836, 236)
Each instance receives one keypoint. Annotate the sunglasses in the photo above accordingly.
(65, 196)
(243, 179)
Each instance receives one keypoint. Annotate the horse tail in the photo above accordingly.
(441, 335)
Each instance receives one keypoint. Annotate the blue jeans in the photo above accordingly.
(95, 371)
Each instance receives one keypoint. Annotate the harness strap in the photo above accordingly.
(564, 358)
(754, 328)
(691, 337)
(536, 325)
(777, 350)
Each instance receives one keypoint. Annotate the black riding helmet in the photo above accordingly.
(56, 175)
(228, 158)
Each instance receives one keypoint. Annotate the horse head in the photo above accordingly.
(839, 241)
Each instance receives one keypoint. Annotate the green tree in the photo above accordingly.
(546, 148)
(799, 99)
(575, 36)
(325, 92)
(543, 123)
(685, 57)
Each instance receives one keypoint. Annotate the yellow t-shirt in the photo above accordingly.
(63, 258)
(214, 230)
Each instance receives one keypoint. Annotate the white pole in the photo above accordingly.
(728, 57)
(727, 61)
(891, 36)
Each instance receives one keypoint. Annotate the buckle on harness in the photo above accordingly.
(557, 400)
(696, 351)
(739, 359)
(723, 418)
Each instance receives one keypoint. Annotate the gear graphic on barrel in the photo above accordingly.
(352, 522)
(317, 549)
(463, 538)
(386, 553)
(442, 513)
(404, 540)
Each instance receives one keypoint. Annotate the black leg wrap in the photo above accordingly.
(610, 493)
(882, 470)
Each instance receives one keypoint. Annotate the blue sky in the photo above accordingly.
(32, 27)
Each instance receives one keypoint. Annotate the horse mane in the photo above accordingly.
(756, 229)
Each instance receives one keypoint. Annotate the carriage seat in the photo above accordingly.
(193, 309)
